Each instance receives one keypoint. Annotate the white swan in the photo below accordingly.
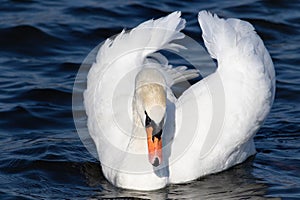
(146, 138)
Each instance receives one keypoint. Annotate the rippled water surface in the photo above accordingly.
(42, 44)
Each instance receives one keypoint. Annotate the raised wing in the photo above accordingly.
(148, 37)
(111, 79)
(221, 114)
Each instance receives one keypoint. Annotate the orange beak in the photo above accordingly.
(154, 148)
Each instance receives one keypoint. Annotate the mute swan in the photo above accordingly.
(146, 138)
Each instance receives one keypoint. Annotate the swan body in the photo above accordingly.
(147, 138)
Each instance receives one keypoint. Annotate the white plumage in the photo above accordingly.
(208, 129)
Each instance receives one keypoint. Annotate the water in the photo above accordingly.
(42, 45)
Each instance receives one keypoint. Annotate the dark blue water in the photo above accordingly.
(42, 44)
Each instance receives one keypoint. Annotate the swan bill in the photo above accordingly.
(154, 147)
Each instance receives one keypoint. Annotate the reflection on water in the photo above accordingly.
(235, 183)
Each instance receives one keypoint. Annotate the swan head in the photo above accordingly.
(150, 103)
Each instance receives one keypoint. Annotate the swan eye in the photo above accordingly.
(148, 120)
